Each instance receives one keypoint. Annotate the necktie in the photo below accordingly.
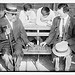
(63, 28)
(67, 24)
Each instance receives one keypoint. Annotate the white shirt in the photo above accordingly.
(63, 23)
(27, 17)
(9, 22)
(65, 19)
(8, 28)
(44, 21)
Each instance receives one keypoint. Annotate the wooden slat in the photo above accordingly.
(36, 27)
(37, 34)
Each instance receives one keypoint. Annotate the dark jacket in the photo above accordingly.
(53, 35)
(18, 30)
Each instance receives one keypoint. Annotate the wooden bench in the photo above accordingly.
(38, 31)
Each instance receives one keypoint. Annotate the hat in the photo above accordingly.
(9, 8)
(61, 49)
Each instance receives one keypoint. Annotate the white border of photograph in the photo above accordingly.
(37, 1)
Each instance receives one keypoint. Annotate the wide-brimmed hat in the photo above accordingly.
(61, 49)
(9, 8)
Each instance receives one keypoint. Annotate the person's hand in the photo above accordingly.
(43, 44)
(31, 44)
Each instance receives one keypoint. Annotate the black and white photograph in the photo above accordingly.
(37, 37)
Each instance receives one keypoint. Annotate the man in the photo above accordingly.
(62, 29)
(45, 16)
(5, 53)
(16, 32)
(55, 29)
(27, 15)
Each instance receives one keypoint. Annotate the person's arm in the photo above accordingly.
(51, 18)
(38, 20)
(52, 32)
(32, 18)
(71, 29)
(23, 33)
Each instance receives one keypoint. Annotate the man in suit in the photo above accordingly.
(63, 28)
(55, 33)
(5, 53)
(16, 32)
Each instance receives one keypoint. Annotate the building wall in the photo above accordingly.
(35, 5)
(38, 5)
(72, 8)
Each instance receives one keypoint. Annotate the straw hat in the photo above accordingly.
(61, 49)
(9, 8)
